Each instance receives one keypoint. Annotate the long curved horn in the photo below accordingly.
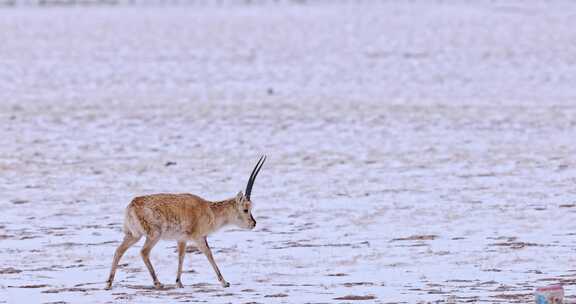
(253, 175)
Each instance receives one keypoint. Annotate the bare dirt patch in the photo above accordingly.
(356, 298)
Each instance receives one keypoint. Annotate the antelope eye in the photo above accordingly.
(245, 210)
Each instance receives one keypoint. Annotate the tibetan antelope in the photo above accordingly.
(182, 217)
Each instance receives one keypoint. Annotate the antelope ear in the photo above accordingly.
(239, 197)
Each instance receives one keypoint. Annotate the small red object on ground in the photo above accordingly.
(553, 294)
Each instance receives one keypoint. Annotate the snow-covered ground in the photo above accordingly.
(419, 151)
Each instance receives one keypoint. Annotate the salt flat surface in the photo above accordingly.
(419, 152)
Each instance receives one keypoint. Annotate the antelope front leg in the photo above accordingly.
(203, 246)
(181, 252)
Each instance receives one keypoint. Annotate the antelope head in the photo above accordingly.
(243, 204)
